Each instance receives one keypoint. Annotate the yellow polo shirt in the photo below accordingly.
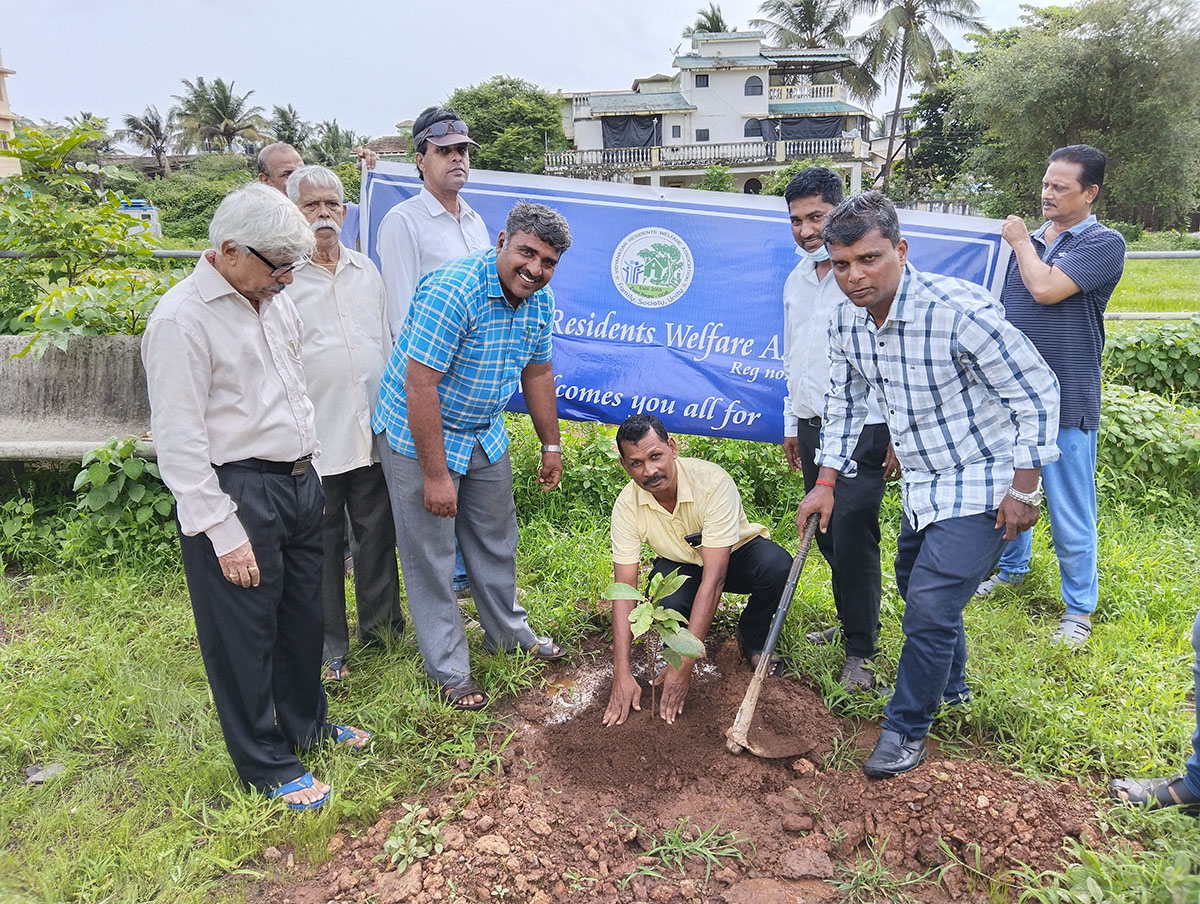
(707, 502)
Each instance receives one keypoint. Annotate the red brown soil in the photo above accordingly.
(576, 805)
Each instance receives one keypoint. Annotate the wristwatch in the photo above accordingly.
(1034, 498)
(551, 448)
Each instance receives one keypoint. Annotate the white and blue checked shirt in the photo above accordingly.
(966, 396)
(461, 324)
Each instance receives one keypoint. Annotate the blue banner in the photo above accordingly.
(670, 301)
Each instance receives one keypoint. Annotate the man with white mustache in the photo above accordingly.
(345, 346)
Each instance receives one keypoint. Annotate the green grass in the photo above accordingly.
(1158, 285)
(102, 674)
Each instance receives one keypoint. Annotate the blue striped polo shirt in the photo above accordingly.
(1070, 334)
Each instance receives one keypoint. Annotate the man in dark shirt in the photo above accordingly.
(1058, 284)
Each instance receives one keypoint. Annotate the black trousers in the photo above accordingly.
(361, 497)
(262, 645)
(851, 545)
(759, 567)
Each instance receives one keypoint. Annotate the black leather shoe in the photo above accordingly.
(1155, 793)
(820, 638)
(893, 754)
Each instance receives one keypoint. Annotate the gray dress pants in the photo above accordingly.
(486, 528)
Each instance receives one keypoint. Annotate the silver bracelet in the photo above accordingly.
(1034, 498)
(551, 448)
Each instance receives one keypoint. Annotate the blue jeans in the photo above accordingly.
(1191, 776)
(1070, 485)
(937, 571)
(460, 569)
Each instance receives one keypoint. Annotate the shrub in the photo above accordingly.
(1146, 444)
(1131, 232)
(1162, 357)
(1168, 240)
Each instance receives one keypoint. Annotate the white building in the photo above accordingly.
(731, 102)
(8, 166)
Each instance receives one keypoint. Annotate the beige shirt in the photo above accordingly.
(706, 502)
(345, 346)
(417, 236)
(225, 383)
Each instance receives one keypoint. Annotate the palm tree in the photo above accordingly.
(213, 110)
(904, 43)
(708, 21)
(152, 131)
(334, 144)
(288, 127)
(815, 24)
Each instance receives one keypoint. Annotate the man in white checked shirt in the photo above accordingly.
(973, 413)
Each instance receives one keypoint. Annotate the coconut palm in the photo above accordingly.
(153, 132)
(287, 126)
(708, 21)
(334, 144)
(904, 44)
(213, 111)
(815, 24)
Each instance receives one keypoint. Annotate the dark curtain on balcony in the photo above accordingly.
(631, 131)
(801, 127)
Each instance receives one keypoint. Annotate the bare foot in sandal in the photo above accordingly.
(467, 695)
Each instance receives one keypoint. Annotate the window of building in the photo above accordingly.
(702, 80)
(753, 128)
(754, 86)
(702, 134)
(676, 131)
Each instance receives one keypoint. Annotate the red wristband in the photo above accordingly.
(826, 483)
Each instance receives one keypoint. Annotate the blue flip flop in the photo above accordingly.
(304, 781)
(346, 733)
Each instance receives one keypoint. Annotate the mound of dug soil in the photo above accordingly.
(577, 808)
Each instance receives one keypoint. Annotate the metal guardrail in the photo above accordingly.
(1160, 255)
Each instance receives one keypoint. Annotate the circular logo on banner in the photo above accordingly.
(652, 267)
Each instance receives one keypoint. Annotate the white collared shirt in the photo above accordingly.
(808, 306)
(225, 383)
(345, 347)
(419, 235)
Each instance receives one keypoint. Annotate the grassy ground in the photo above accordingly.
(1158, 285)
(103, 676)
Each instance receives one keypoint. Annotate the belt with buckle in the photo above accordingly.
(291, 468)
(813, 421)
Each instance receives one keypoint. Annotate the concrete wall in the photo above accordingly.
(723, 106)
(67, 403)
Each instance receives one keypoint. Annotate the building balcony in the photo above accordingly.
(701, 156)
(786, 93)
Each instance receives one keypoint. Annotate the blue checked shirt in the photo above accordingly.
(461, 324)
(966, 396)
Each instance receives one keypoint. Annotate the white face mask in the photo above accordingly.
(821, 254)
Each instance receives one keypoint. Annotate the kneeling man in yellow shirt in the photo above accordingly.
(690, 514)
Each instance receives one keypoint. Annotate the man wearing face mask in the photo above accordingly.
(851, 545)
(339, 295)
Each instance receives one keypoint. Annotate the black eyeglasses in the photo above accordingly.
(277, 270)
(441, 129)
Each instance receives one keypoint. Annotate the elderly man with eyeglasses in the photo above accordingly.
(235, 435)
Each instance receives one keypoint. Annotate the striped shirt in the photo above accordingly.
(966, 396)
(461, 325)
(1070, 334)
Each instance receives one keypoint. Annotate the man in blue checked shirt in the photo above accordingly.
(1058, 283)
(973, 413)
(477, 326)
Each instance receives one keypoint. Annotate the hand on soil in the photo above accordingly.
(626, 692)
(674, 683)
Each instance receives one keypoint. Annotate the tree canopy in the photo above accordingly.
(1121, 75)
(215, 112)
(710, 21)
(514, 121)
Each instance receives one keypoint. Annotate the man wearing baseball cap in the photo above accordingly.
(422, 233)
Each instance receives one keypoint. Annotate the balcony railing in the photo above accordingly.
(692, 156)
(806, 92)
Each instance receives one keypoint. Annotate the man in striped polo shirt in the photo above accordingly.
(1058, 284)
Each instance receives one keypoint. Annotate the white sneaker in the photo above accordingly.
(991, 584)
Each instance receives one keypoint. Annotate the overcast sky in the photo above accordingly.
(368, 71)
